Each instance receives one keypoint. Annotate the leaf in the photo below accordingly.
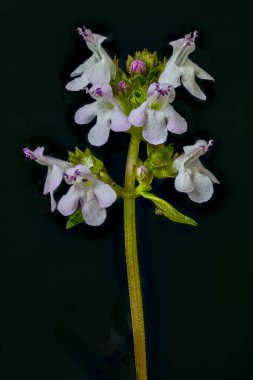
(164, 208)
(75, 219)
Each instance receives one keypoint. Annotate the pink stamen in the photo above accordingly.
(29, 154)
(85, 33)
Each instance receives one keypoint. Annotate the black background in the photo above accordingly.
(64, 303)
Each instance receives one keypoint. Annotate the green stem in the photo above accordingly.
(133, 273)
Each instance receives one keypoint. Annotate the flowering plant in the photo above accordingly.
(139, 103)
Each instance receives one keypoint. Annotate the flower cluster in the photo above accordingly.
(138, 102)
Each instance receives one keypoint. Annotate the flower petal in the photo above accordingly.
(100, 72)
(86, 113)
(204, 171)
(183, 182)
(200, 73)
(155, 131)
(119, 121)
(105, 194)
(79, 83)
(188, 81)
(137, 116)
(203, 188)
(176, 123)
(69, 202)
(99, 134)
(93, 214)
(53, 179)
(171, 74)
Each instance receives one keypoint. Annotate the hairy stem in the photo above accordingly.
(133, 273)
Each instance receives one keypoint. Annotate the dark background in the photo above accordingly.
(64, 303)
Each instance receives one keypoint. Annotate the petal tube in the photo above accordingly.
(155, 131)
(119, 121)
(86, 113)
(69, 202)
(93, 214)
(137, 116)
(99, 134)
(203, 188)
(105, 194)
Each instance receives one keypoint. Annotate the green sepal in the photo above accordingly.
(164, 208)
(159, 160)
(75, 219)
(86, 158)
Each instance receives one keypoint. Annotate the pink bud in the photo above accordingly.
(137, 66)
(142, 171)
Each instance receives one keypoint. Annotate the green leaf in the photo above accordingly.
(75, 219)
(164, 208)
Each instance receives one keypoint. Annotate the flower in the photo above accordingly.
(122, 86)
(99, 68)
(180, 66)
(109, 115)
(192, 177)
(157, 116)
(93, 195)
(137, 67)
(55, 171)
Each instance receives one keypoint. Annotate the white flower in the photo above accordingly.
(55, 171)
(86, 191)
(180, 66)
(99, 68)
(157, 116)
(108, 113)
(192, 177)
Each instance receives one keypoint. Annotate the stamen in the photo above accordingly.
(65, 175)
(86, 34)
(29, 154)
(206, 148)
(73, 178)
(187, 48)
(77, 172)
(84, 180)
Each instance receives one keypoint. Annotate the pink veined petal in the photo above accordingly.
(171, 75)
(155, 131)
(53, 179)
(99, 134)
(119, 121)
(188, 81)
(183, 182)
(69, 202)
(105, 194)
(93, 214)
(137, 116)
(86, 113)
(203, 188)
(176, 123)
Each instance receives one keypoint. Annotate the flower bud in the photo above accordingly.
(122, 85)
(142, 172)
(137, 67)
